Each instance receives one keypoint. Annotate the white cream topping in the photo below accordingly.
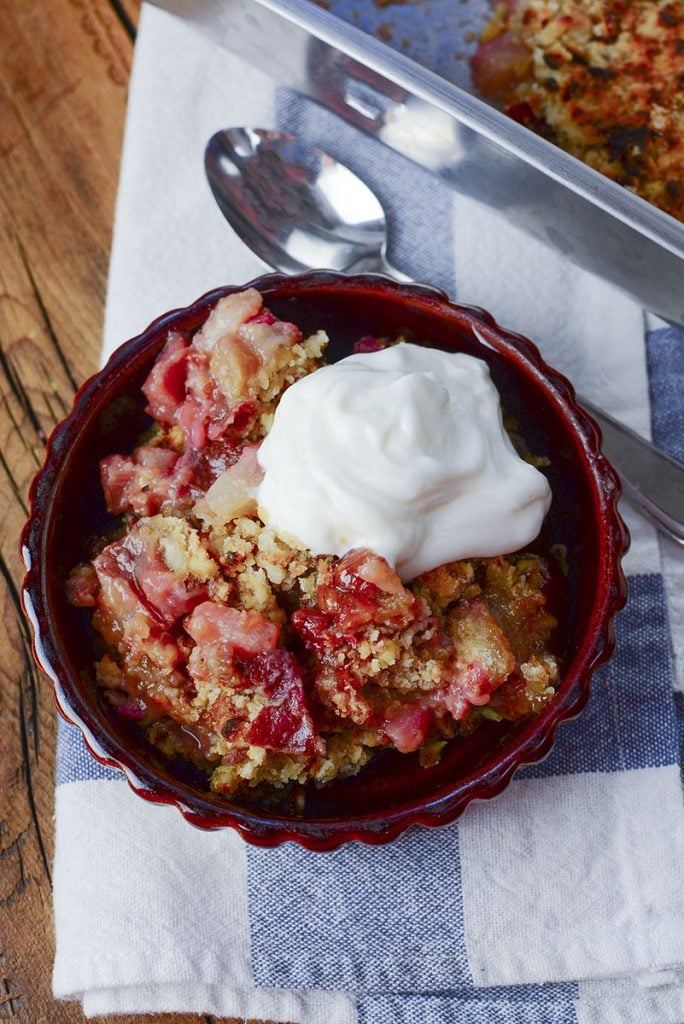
(402, 451)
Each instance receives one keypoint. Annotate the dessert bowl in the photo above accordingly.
(392, 792)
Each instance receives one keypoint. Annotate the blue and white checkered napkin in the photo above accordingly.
(559, 902)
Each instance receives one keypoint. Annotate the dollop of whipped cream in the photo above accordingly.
(402, 451)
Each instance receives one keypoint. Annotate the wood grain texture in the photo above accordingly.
(64, 68)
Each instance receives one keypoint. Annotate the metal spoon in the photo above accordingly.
(298, 209)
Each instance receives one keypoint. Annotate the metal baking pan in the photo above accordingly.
(471, 146)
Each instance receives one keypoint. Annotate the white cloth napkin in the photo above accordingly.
(559, 902)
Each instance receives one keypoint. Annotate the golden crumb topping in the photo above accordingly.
(601, 78)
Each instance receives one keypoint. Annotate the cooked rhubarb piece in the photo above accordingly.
(483, 658)
(363, 588)
(409, 727)
(233, 493)
(499, 62)
(139, 483)
(284, 723)
(82, 587)
(245, 631)
(165, 385)
(230, 363)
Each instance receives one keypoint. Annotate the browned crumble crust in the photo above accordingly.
(601, 78)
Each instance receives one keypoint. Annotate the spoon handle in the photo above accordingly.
(398, 275)
(651, 479)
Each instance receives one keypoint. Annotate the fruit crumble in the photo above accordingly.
(235, 647)
(602, 79)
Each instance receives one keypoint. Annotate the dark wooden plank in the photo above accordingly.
(64, 70)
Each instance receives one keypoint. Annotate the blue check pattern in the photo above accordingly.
(524, 1004)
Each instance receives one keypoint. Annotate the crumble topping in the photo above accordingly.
(603, 79)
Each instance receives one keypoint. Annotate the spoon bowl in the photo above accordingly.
(293, 205)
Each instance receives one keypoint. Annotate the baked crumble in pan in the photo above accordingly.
(603, 79)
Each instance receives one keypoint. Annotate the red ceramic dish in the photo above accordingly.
(392, 792)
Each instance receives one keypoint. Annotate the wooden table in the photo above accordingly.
(64, 68)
